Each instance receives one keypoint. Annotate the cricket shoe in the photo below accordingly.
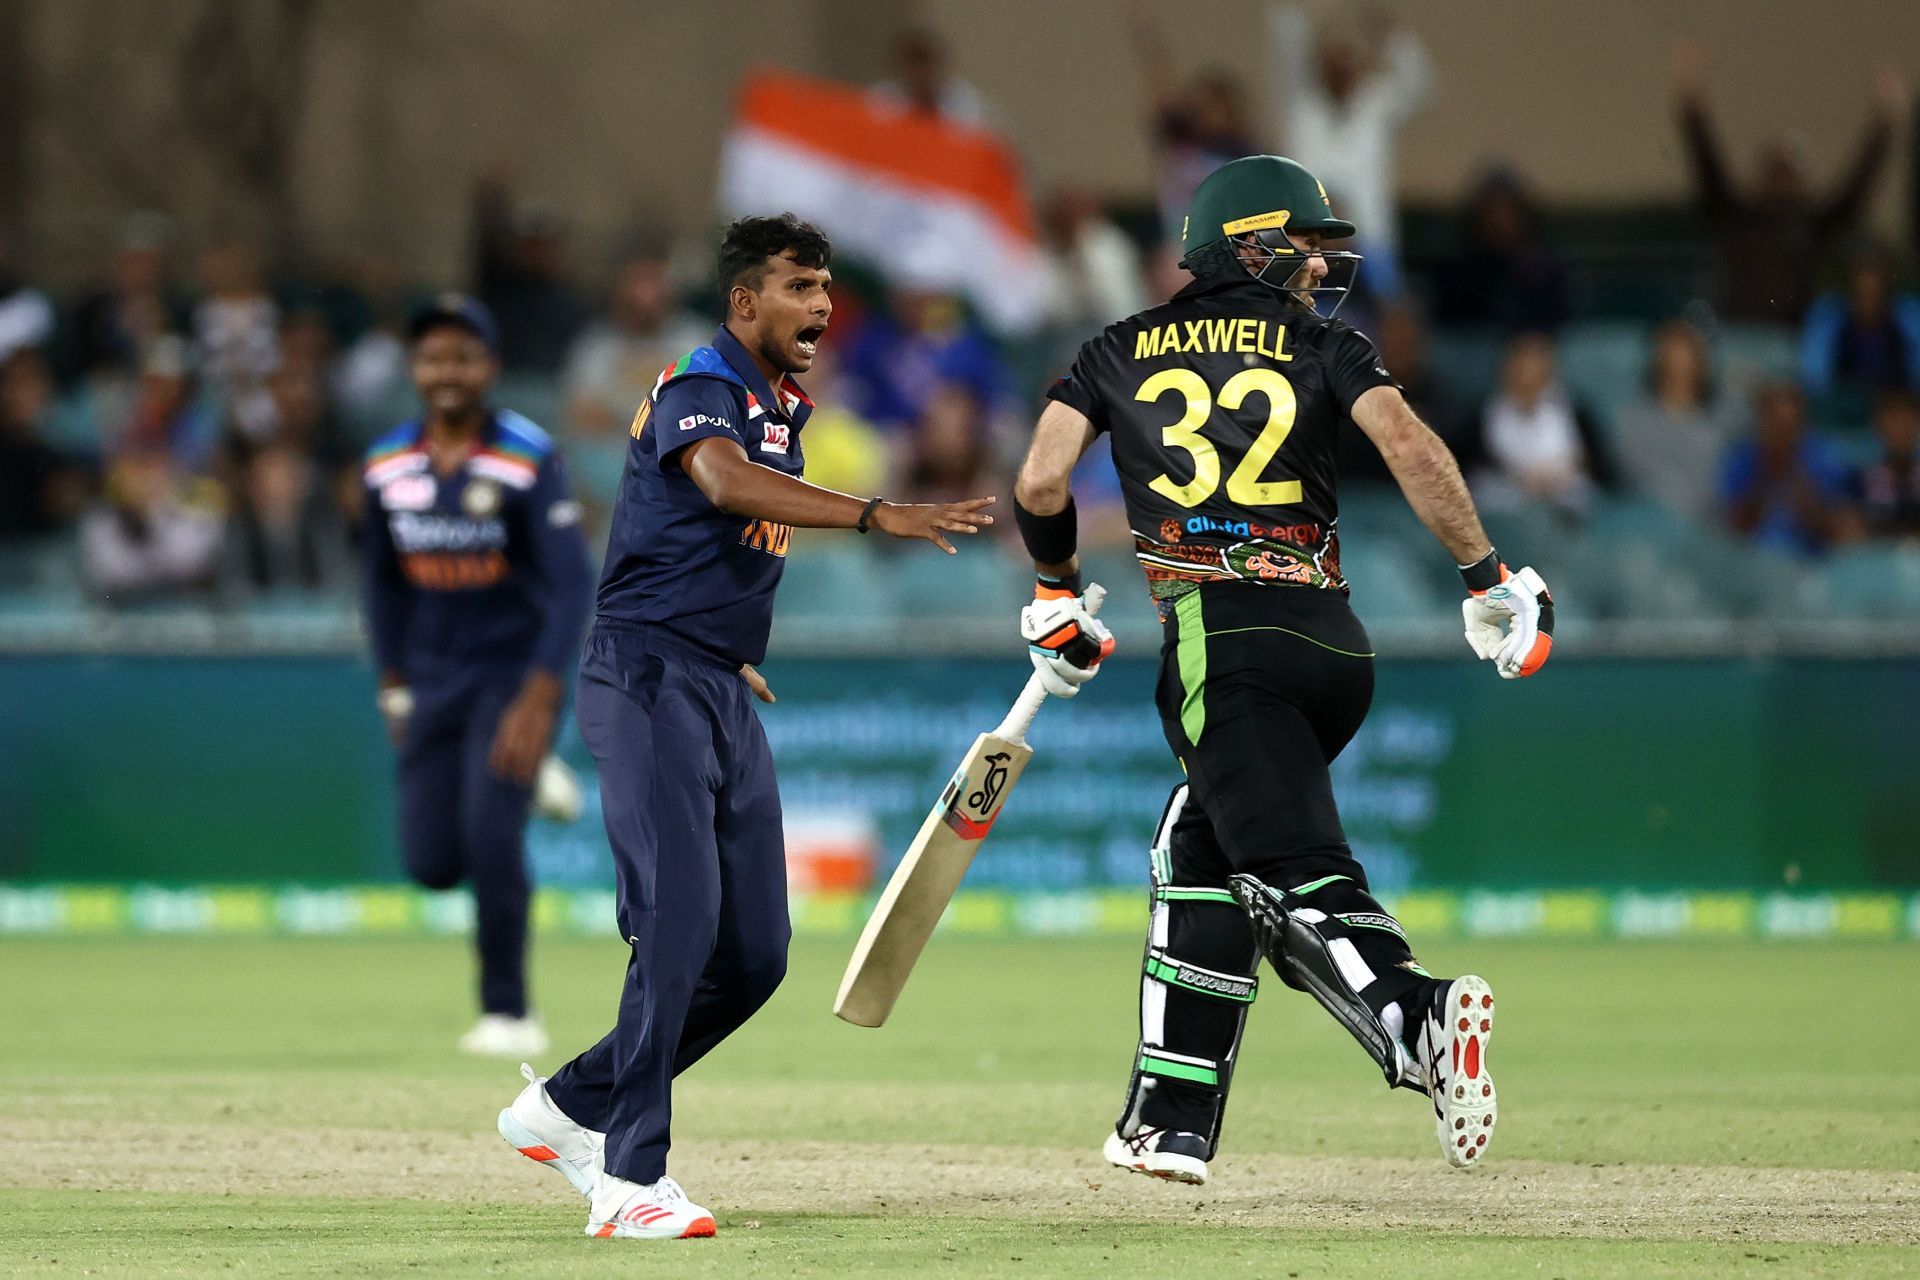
(538, 1130)
(623, 1210)
(1160, 1153)
(1453, 1055)
(498, 1036)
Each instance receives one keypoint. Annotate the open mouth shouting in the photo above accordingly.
(806, 343)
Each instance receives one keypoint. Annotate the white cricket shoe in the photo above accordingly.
(1160, 1153)
(622, 1210)
(538, 1130)
(1453, 1057)
(498, 1036)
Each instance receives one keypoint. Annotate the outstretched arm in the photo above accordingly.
(1425, 470)
(1849, 199)
(740, 486)
(1690, 97)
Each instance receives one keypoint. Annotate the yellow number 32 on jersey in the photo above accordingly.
(1244, 487)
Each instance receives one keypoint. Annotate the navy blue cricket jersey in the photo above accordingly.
(487, 565)
(674, 560)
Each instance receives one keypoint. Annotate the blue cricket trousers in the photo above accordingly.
(686, 782)
(459, 820)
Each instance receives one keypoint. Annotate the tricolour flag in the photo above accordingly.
(931, 203)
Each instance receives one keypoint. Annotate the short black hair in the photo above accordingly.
(749, 242)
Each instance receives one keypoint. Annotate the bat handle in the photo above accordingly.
(1027, 705)
(1025, 708)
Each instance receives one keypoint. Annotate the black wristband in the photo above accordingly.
(1483, 574)
(866, 513)
(1071, 583)
(1050, 539)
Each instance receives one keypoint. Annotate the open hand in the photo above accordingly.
(932, 520)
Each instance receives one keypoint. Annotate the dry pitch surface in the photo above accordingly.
(290, 1108)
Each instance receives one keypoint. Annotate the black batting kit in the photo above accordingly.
(1224, 408)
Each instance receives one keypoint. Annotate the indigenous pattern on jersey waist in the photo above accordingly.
(1180, 555)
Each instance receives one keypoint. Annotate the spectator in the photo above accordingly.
(303, 416)
(1342, 107)
(1784, 488)
(41, 489)
(522, 280)
(236, 332)
(1400, 334)
(1887, 490)
(1506, 277)
(1865, 342)
(157, 532)
(949, 453)
(1196, 128)
(897, 360)
(285, 532)
(615, 362)
(1767, 238)
(1673, 437)
(370, 382)
(26, 317)
(1540, 446)
(114, 325)
(922, 83)
(168, 413)
(1094, 273)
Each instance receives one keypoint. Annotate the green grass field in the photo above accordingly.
(295, 1108)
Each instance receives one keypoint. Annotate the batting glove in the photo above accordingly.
(1511, 625)
(1064, 639)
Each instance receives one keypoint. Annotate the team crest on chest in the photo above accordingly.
(778, 436)
(481, 499)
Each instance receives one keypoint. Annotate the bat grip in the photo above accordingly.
(1027, 705)
(1025, 708)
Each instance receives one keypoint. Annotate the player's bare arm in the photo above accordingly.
(740, 486)
(1064, 640)
(1426, 471)
(1044, 484)
(1509, 616)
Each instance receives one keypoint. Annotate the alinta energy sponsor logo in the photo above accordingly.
(1304, 534)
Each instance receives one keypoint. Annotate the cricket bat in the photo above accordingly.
(924, 882)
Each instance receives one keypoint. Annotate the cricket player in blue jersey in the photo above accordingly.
(477, 590)
(709, 499)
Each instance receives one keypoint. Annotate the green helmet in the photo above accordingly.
(1261, 198)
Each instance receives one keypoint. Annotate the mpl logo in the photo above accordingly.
(778, 437)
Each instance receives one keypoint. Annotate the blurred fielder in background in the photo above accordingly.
(708, 502)
(1224, 407)
(477, 590)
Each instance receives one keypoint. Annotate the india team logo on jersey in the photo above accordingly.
(777, 438)
(481, 499)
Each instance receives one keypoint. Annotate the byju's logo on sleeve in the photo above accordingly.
(694, 420)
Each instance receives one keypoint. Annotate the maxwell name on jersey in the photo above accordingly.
(1191, 337)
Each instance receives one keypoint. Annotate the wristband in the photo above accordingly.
(1484, 574)
(866, 514)
(396, 703)
(1050, 539)
(1057, 588)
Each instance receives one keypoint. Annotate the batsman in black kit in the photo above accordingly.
(1224, 406)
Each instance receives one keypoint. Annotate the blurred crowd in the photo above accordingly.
(190, 425)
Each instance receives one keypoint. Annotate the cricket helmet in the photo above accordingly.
(1240, 218)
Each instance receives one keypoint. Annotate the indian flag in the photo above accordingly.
(934, 204)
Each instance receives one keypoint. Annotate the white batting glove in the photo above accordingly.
(1511, 625)
(1064, 639)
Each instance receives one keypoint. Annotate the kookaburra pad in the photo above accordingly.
(1196, 984)
(1354, 962)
